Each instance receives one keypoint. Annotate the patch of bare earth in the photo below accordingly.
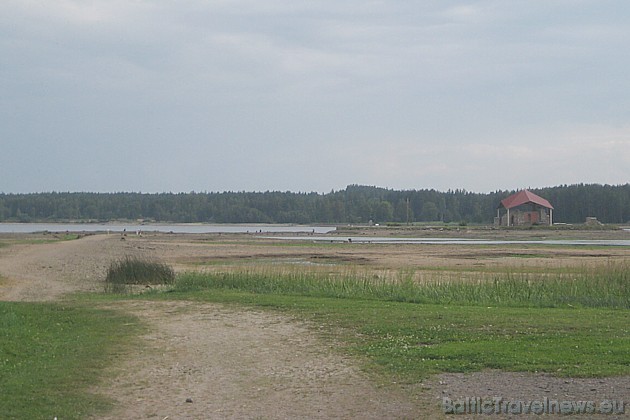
(48, 271)
(256, 364)
(209, 361)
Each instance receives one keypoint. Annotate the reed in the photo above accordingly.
(127, 272)
(605, 286)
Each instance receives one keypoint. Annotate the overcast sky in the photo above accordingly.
(217, 95)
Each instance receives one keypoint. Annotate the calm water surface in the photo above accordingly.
(174, 228)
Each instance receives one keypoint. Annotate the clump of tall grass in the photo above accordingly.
(605, 286)
(124, 274)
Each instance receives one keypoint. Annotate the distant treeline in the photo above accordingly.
(355, 204)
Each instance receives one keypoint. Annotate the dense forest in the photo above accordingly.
(354, 204)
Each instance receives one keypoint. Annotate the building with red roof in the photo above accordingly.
(524, 208)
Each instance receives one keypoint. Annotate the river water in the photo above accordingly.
(174, 228)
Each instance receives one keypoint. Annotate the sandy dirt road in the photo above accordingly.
(230, 363)
(48, 271)
(242, 364)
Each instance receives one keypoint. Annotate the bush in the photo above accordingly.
(130, 271)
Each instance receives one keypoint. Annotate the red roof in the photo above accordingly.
(523, 197)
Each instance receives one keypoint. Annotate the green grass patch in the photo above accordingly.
(123, 274)
(70, 237)
(51, 354)
(40, 240)
(52, 238)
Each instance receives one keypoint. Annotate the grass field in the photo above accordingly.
(52, 354)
